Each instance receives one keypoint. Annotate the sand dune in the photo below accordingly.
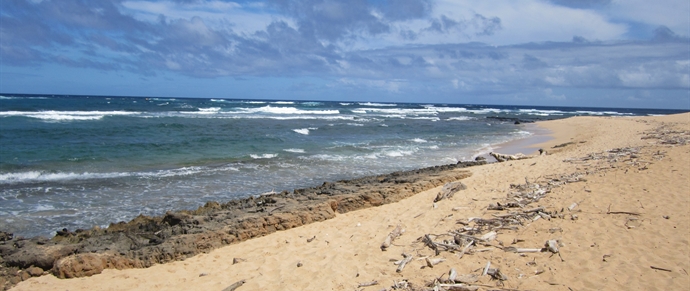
(631, 215)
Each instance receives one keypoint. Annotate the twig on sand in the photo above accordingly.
(660, 269)
(235, 285)
(608, 211)
(367, 284)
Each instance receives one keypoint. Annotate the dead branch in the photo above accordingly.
(404, 262)
(235, 285)
(398, 231)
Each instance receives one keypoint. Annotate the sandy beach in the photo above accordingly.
(614, 198)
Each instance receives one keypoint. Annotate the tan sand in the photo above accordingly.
(604, 249)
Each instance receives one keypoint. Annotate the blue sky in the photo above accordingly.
(605, 53)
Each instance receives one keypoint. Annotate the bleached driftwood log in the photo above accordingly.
(367, 284)
(449, 189)
(458, 287)
(235, 286)
(503, 157)
(404, 262)
(398, 231)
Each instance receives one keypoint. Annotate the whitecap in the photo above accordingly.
(209, 110)
(287, 110)
(297, 151)
(66, 115)
(376, 104)
(419, 140)
(304, 131)
(264, 156)
(459, 118)
(38, 176)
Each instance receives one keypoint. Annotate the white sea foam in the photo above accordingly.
(304, 131)
(286, 110)
(264, 156)
(345, 104)
(326, 157)
(486, 110)
(283, 102)
(377, 104)
(37, 176)
(66, 115)
(210, 110)
(298, 151)
(10, 97)
(184, 171)
(398, 111)
(460, 118)
(445, 109)
(602, 113)
(419, 140)
(398, 153)
(523, 133)
(541, 112)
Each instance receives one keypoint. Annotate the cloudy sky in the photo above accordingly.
(605, 53)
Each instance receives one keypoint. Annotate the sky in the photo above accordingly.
(599, 53)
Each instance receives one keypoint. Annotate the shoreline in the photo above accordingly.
(348, 244)
(527, 145)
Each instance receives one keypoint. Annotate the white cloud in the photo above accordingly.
(670, 13)
(218, 14)
(534, 21)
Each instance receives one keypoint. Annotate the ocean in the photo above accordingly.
(82, 161)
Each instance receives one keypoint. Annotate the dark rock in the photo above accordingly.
(5, 236)
(42, 256)
(24, 275)
(34, 271)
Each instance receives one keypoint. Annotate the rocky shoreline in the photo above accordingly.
(145, 241)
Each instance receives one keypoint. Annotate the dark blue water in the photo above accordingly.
(76, 162)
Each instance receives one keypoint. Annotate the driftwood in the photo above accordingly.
(496, 274)
(467, 278)
(486, 269)
(504, 206)
(464, 250)
(521, 250)
(489, 236)
(608, 211)
(572, 206)
(235, 285)
(503, 157)
(238, 260)
(449, 189)
(551, 246)
(398, 231)
(367, 284)
(458, 287)
(432, 262)
(452, 274)
(404, 262)
(660, 269)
